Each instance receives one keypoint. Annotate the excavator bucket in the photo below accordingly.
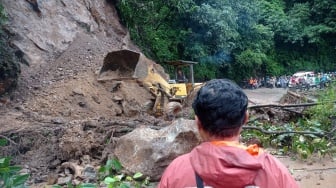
(131, 65)
(123, 64)
(128, 65)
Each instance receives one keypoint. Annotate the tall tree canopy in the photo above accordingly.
(236, 38)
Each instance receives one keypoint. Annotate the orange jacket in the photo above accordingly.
(229, 166)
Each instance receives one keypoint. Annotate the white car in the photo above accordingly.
(307, 76)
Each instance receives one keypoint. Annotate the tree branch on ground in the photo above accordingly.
(289, 105)
(8, 139)
(283, 132)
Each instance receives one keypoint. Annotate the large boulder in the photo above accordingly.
(150, 151)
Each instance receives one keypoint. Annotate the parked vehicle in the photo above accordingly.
(303, 79)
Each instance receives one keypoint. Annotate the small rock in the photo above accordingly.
(78, 91)
(310, 163)
(321, 177)
(52, 179)
(58, 120)
(55, 163)
(96, 99)
(117, 98)
(34, 170)
(85, 159)
(64, 180)
(308, 176)
(89, 173)
(39, 178)
(76, 182)
(66, 113)
(36, 87)
(298, 178)
(24, 171)
(67, 171)
(82, 104)
(19, 108)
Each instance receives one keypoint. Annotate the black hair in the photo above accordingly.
(221, 105)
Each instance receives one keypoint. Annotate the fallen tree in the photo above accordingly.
(284, 106)
(319, 134)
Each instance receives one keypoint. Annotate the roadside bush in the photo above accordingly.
(9, 174)
(325, 111)
(111, 176)
(314, 134)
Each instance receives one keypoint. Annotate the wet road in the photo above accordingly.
(265, 95)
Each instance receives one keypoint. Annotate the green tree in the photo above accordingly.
(9, 68)
(236, 38)
(153, 27)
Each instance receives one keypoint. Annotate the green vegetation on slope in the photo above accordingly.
(312, 134)
(9, 67)
(236, 38)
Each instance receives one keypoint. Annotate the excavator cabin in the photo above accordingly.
(183, 83)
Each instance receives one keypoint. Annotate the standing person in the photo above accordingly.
(251, 83)
(221, 161)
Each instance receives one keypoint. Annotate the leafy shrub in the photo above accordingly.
(111, 175)
(9, 174)
(319, 137)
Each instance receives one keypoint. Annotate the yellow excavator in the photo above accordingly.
(170, 94)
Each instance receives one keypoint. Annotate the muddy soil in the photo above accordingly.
(61, 113)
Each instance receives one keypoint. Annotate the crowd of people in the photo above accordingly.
(268, 81)
(319, 80)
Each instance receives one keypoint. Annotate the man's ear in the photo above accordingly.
(198, 123)
(247, 115)
(201, 130)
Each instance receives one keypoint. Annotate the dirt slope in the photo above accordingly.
(59, 111)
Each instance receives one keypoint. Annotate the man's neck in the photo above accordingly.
(227, 139)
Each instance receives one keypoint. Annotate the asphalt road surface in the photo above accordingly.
(265, 95)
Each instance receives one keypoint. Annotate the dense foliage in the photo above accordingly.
(236, 38)
(9, 67)
(10, 176)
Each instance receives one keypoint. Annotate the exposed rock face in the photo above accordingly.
(45, 35)
(150, 151)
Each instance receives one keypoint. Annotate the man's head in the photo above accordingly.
(221, 108)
